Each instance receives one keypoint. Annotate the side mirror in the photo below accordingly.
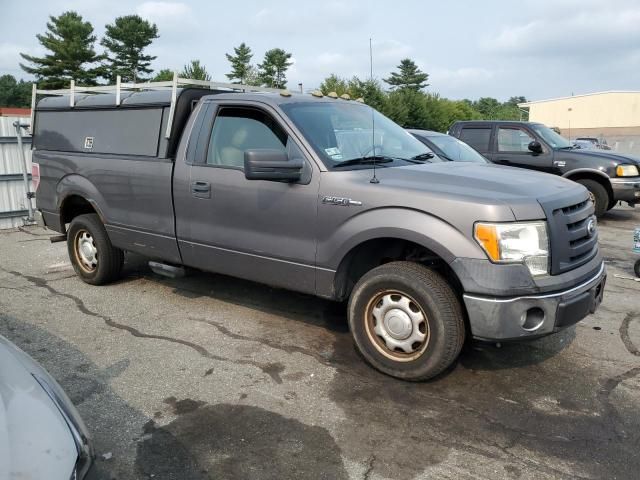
(535, 147)
(271, 165)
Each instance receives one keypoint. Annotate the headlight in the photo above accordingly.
(627, 171)
(525, 242)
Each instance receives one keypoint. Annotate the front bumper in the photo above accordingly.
(626, 189)
(511, 318)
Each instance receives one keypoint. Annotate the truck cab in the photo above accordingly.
(609, 177)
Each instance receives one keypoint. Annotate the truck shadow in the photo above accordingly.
(310, 310)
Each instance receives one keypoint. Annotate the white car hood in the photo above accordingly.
(35, 440)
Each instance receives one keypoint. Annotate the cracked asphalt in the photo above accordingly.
(209, 377)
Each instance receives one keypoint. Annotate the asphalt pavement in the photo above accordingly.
(210, 377)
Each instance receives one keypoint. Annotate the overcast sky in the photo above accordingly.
(536, 48)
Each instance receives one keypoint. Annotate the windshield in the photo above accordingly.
(456, 150)
(342, 132)
(554, 139)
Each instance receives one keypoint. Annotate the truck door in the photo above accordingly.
(512, 149)
(260, 230)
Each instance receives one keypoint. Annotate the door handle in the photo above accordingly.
(201, 189)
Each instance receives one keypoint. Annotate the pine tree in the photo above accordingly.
(195, 71)
(410, 77)
(273, 68)
(125, 41)
(164, 75)
(240, 64)
(71, 55)
(334, 83)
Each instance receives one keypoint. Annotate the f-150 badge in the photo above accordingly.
(345, 202)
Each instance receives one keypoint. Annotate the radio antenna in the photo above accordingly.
(374, 179)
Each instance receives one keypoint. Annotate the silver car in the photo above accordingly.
(41, 432)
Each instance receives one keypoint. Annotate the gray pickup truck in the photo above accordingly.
(323, 196)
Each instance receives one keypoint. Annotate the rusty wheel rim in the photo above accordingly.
(397, 326)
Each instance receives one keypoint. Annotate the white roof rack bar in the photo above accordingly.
(174, 98)
(34, 89)
(174, 84)
(118, 85)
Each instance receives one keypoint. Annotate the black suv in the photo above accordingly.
(609, 177)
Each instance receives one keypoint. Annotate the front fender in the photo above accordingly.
(407, 224)
(594, 171)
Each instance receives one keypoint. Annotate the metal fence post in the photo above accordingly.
(25, 175)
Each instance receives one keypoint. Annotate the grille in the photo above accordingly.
(571, 243)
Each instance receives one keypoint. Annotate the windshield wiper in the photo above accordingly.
(423, 157)
(370, 160)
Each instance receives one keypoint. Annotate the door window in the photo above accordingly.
(478, 138)
(236, 130)
(513, 140)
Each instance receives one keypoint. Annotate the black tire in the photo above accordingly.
(87, 240)
(636, 268)
(426, 294)
(599, 196)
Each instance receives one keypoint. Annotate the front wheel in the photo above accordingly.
(93, 257)
(598, 195)
(406, 321)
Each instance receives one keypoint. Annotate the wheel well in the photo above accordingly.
(596, 178)
(73, 206)
(372, 253)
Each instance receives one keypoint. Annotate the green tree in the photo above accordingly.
(409, 77)
(195, 71)
(125, 41)
(240, 63)
(253, 77)
(514, 101)
(69, 42)
(273, 69)
(333, 83)
(14, 93)
(369, 90)
(487, 107)
(164, 75)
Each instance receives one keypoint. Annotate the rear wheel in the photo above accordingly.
(598, 195)
(406, 321)
(93, 257)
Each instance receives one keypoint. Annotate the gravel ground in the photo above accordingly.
(213, 377)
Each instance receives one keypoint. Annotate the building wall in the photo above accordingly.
(13, 200)
(612, 116)
(600, 110)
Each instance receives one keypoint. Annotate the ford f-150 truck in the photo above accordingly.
(323, 196)
(610, 177)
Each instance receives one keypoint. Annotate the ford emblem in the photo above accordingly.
(591, 227)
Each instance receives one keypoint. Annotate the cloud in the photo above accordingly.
(332, 16)
(10, 57)
(592, 30)
(167, 14)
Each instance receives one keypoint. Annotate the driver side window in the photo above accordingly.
(236, 130)
(513, 140)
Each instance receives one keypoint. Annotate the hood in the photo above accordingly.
(477, 182)
(476, 191)
(599, 155)
(35, 440)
